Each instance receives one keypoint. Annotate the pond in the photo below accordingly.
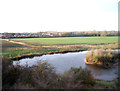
(63, 62)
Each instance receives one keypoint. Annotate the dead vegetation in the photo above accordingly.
(102, 57)
(44, 76)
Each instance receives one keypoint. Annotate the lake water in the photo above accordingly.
(63, 62)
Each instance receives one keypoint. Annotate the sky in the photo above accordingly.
(58, 15)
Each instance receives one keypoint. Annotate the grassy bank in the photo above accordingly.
(12, 50)
(106, 83)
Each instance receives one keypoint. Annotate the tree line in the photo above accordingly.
(60, 34)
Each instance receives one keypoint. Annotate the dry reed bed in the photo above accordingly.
(102, 57)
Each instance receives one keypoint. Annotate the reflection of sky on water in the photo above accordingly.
(63, 62)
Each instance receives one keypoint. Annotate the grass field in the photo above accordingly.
(12, 49)
(68, 40)
(56, 44)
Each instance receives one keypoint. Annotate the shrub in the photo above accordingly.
(82, 75)
(44, 76)
(99, 56)
(10, 74)
(78, 78)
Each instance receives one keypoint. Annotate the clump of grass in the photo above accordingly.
(100, 56)
(107, 83)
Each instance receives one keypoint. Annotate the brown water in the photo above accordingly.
(63, 62)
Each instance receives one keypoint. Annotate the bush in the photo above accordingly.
(78, 78)
(10, 74)
(82, 75)
(100, 56)
(44, 76)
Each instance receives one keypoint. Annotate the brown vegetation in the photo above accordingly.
(44, 76)
(101, 57)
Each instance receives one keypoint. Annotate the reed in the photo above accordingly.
(101, 57)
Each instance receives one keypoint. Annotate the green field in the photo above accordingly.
(56, 45)
(68, 40)
(12, 49)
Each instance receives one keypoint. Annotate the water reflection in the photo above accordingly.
(63, 62)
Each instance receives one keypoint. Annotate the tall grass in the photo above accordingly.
(102, 57)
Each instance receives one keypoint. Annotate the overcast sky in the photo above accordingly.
(58, 15)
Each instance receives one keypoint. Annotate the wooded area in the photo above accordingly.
(59, 34)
